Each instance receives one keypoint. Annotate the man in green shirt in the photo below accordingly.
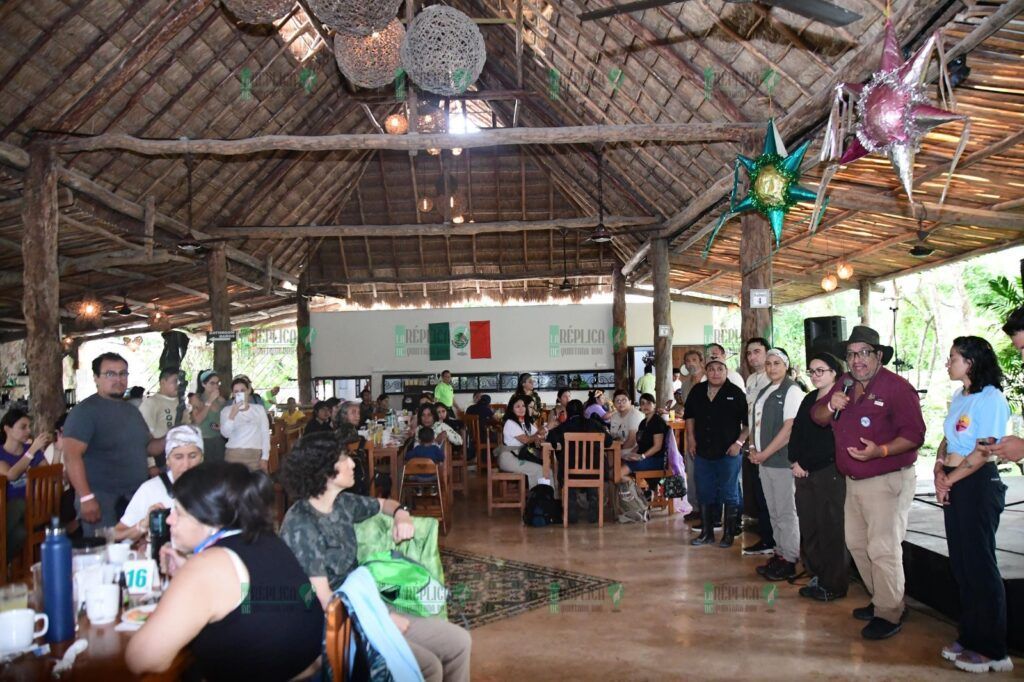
(444, 392)
(646, 383)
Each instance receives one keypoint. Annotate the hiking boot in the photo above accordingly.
(707, 534)
(880, 628)
(758, 547)
(732, 522)
(973, 662)
(781, 570)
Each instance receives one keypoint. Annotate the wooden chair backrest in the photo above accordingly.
(584, 453)
(42, 502)
(472, 424)
(3, 532)
(420, 465)
(339, 635)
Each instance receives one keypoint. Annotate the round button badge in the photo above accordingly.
(865, 422)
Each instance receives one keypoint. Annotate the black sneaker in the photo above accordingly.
(819, 593)
(781, 570)
(864, 612)
(758, 547)
(879, 628)
(764, 568)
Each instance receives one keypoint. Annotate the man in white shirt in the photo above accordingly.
(677, 380)
(624, 422)
(717, 352)
(754, 505)
(160, 410)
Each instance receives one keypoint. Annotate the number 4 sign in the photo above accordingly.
(140, 576)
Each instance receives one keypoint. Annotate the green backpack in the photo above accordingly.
(406, 585)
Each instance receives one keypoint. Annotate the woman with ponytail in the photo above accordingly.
(238, 598)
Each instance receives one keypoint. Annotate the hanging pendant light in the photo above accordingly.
(600, 235)
(566, 285)
(188, 244)
(829, 282)
(396, 124)
(425, 204)
(844, 270)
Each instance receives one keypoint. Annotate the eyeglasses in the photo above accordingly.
(819, 372)
(114, 375)
(863, 354)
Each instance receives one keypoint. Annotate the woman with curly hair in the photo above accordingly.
(967, 482)
(320, 529)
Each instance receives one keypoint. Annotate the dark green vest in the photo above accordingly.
(771, 421)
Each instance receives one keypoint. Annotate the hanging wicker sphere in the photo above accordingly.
(370, 61)
(358, 17)
(396, 124)
(443, 50)
(258, 11)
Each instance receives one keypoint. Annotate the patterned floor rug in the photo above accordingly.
(484, 589)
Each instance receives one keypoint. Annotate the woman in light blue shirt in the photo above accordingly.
(967, 482)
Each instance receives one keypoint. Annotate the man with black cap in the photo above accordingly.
(877, 424)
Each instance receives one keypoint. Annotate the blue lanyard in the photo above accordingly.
(214, 538)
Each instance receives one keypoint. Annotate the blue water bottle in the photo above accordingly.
(57, 594)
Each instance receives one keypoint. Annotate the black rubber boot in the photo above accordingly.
(707, 533)
(732, 526)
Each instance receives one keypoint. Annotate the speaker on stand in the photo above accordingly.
(830, 330)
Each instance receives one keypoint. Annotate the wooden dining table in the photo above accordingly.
(102, 661)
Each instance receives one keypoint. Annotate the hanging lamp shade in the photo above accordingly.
(829, 282)
(258, 11)
(358, 17)
(370, 61)
(396, 124)
(844, 270)
(443, 51)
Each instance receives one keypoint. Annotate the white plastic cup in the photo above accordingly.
(18, 627)
(101, 603)
(120, 552)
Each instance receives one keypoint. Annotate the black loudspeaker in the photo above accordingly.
(831, 329)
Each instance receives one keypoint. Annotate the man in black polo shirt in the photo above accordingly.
(716, 428)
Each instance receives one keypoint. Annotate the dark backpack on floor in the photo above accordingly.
(542, 509)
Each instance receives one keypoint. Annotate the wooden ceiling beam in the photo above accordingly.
(682, 298)
(589, 269)
(949, 214)
(683, 133)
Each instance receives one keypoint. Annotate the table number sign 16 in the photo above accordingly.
(140, 576)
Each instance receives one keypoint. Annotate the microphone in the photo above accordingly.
(847, 385)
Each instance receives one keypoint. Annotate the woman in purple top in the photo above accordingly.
(594, 406)
(16, 456)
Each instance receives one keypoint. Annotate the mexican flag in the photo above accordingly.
(459, 340)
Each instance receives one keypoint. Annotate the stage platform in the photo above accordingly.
(926, 556)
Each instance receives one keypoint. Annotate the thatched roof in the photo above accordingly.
(187, 68)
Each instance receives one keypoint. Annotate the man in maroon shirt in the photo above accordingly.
(877, 424)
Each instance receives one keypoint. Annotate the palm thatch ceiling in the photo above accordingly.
(188, 69)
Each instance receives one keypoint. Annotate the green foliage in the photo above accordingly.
(1001, 297)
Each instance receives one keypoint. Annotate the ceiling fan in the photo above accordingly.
(818, 10)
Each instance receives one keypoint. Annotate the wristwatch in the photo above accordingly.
(404, 508)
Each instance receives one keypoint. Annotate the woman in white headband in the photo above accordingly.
(184, 450)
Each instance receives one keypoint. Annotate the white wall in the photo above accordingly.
(361, 343)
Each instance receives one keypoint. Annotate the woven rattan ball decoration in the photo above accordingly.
(258, 11)
(443, 51)
(358, 17)
(370, 61)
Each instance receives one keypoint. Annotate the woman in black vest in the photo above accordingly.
(238, 598)
(820, 489)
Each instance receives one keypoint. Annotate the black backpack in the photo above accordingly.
(542, 509)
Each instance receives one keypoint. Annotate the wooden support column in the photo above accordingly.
(619, 341)
(755, 247)
(41, 302)
(305, 339)
(220, 314)
(865, 302)
(662, 316)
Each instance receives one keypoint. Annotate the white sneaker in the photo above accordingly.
(974, 662)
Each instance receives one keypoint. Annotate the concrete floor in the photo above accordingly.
(660, 629)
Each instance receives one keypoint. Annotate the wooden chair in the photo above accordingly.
(459, 465)
(423, 466)
(504, 490)
(3, 532)
(474, 429)
(42, 502)
(339, 638)
(584, 468)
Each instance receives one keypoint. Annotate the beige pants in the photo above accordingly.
(442, 649)
(250, 457)
(877, 510)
